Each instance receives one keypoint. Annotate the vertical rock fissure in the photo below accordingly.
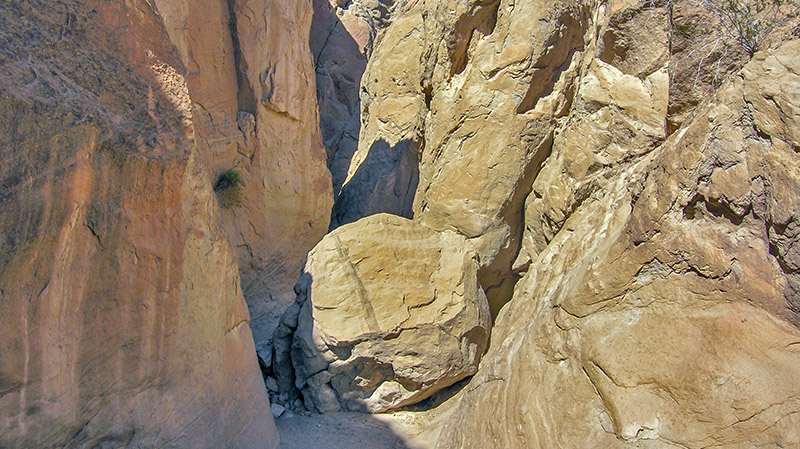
(245, 95)
(500, 277)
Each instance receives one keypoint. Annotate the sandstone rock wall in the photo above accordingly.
(463, 101)
(288, 210)
(471, 93)
(653, 241)
(340, 43)
(120, 303)
(570, 170)
(663, 313)
(251, 79)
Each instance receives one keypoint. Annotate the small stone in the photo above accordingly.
(264, 352)
(277, 410)
(272, 384)
(246, 122)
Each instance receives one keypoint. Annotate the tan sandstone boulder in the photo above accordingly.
(391, 312)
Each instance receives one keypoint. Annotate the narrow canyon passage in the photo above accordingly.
(410, 224)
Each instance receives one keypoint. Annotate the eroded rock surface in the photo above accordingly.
(653, 241)
(466, 96)
(571, 168)
(123, 322)
(664, 312)
(389, 312)
(251, 79)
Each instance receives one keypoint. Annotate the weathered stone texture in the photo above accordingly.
(654, 242)
(121, 312)
(663, 313)
(389, 313)
(251, 79)
(471, 92)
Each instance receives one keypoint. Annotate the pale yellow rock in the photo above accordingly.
(382, 173)
(483, 97)
(664, 311)
(472, 90)
(619, 114)
(660, 302)
(392, 313)
(287, 201)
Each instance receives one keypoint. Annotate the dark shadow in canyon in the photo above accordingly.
(341, 430)
(385, 182)
(339, 63)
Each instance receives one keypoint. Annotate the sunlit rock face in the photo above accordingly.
(250, 73)
(564, 207)
(663, 311)
(122, 316)
(631, 214)
(388, 313)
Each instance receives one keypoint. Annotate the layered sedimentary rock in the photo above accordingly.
(388, 313)
(664, 312)
(251, 79)
(121, 310)
(620, 104)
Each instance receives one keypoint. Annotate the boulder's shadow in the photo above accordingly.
(341, 430)
(339, 63)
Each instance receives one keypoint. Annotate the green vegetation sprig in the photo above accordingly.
(749, 22)
(229, 187)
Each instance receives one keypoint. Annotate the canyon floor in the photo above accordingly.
(403, 430)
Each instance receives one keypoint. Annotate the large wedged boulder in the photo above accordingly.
(391, 313)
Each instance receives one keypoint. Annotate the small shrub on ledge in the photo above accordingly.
(750, 22)
(229, 187)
